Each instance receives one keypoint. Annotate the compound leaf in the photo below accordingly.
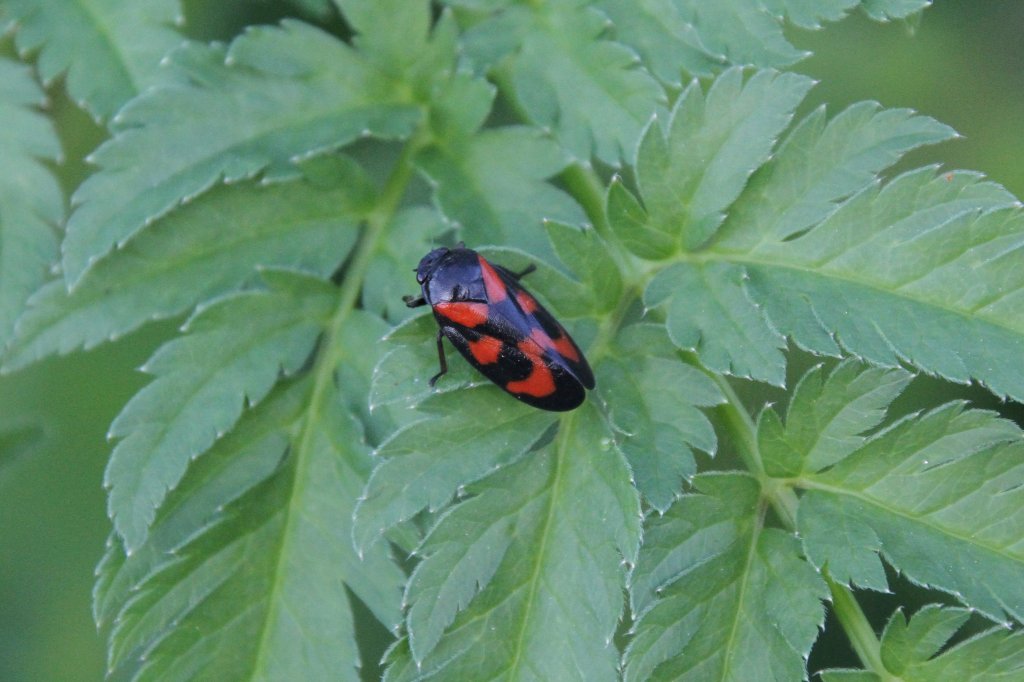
(948, 483)
(209, 247)
(827, 416)
(718, 596)
(688, 177)
(653, 401)
(235, 352)
(551, 544)
(669, 45)
(570, 79)
(315, 94)
(423, 465)
(31, 204)
(109, 49)
(709, 311)
(751, 31)
(251, 552)
(922, 271)
(911, 650)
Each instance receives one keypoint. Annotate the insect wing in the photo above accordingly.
(503, 331)
(519, 367)
(548, 334)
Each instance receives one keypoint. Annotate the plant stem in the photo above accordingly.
(376, 222)
(858, 629)
(738, 421)
(744, 434)
(331, 352)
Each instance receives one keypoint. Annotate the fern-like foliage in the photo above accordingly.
(915, 650)
(30, 199)
(109, 50)
(288, 473)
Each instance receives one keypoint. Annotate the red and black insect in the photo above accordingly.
(501, 329)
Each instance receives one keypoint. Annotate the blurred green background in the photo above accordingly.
(963, 64)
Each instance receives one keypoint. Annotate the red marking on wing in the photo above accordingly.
(486, 349)
(565, 348)
(539, 384)
(466, 314)
(562, 345)
(533, 345)
(526, 302)
(492, 282)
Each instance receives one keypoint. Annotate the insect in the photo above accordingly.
(501, 329)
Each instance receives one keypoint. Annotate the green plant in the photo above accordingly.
(285, 466)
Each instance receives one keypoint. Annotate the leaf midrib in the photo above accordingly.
(924, 520)
(332, 354)
(104, 32)
(200, 257)
(755, 535)
(747, 259)
(560, 452)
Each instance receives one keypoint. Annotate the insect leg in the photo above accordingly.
(414, 302)
(441, 359)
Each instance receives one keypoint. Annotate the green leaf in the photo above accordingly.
(245, 456)
(587, 255)
(820, 163)
(997, 654)
(751, 31)
(406, 36)
(315, 94)
(267, 578)
(251, 553)
(491, 183)
(948, 483)
(234, 353)
(709, 311)
(31, 204)
(718, 596)
(930, 629)
(523, 622)
(567, 78)
(109, 49)
(826, 417)
(629, 222)
(688, 178)
(390, 276)
(423, 465)
(464, 550)
(922, 271)
(911, 651)
(653, 402)
(207, 248)
(809, 14)
(743, 31)
(667, 44)
(403, 374)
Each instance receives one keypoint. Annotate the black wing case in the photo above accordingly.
(535, 379)
(553, 336)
